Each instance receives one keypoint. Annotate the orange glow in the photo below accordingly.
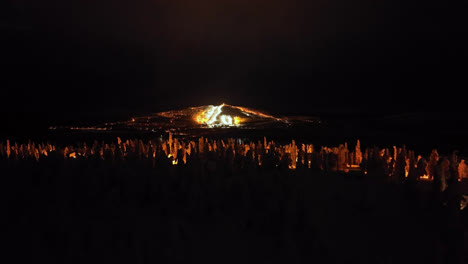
(249, 111)
(424, 177)
(209, 116)
(200, 118)
(238, 120)
(175, 161)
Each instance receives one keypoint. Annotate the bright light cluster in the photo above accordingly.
(212, 117)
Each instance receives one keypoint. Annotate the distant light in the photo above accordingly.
(226, 120)
(212, 117)
(237, 120)
(214, 114)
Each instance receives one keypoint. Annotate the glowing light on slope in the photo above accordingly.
(212, 117)
(250, 111)
(237, 120)
(214, 114)
(226, 120)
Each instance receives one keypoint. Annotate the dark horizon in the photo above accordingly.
(70, 60)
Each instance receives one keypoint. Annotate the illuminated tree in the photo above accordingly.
(431, 165)
(358, 153)
(462, 169)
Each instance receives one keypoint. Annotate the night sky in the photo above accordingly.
(77, 59)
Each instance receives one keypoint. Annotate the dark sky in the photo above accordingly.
(77, 59)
